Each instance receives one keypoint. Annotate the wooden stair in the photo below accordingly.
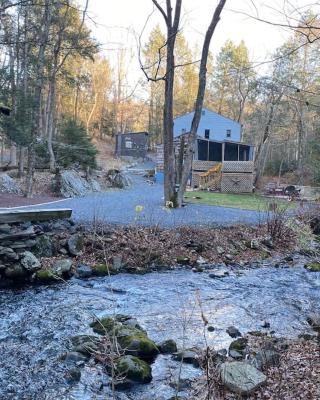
(211, 179)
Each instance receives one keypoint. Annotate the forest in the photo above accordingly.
(64, 94)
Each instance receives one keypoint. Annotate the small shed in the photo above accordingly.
(132, 144)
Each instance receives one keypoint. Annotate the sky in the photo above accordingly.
(119, 23)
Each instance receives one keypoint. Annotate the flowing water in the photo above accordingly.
(36, 323)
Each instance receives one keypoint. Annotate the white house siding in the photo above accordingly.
(217, 124)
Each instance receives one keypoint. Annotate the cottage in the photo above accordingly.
(132, 145)
(218, 138)
(221, 160)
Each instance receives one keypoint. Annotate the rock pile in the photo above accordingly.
(72, 184)
(123, 347)
(23, 245)
(9, 185)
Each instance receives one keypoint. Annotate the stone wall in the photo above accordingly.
(23, 245)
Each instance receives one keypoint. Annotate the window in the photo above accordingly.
(207, 133)
(128, 144)
(228, 132)
(203, 112)
(183, 130)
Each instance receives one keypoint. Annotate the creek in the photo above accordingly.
(37, 322)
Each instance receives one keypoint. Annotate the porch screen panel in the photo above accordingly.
(231, 152)
(244, 153)
(202, 150)
(215, 151)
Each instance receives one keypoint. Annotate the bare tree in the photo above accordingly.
(173, 194)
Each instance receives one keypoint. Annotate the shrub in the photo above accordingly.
(74, 145)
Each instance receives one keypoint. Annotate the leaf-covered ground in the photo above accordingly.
(155, 247)
(296, 378)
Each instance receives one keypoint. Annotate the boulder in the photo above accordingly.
(265, 358)
(183, 260)
(75, 244)
(134, 369)
(44, 246)
(117, 263)
(313, 266)
(15, 272)
(30, 262)
(136, 342)
(239, 345)
(131, 338)
(241, 378)
(45, 276)
(167, 347)
(103, 326)
(233, 332)
(115, 178)
(236, 355)
(84, 271)
(87, 344)
(314, 321)
(188, 356)
(8, 253)
(71, 184)
(219, 273)
(9, 185)
(62, 267)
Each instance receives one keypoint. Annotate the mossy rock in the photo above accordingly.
(183, 260)
(135, 342)
(103, 270)
(188, 356)
(265, 254)
(313, 266)
(103, 326)
(168, 347)
(133, 368)
(238, 345)
(45, 276)
(44, 246)
(87, 344)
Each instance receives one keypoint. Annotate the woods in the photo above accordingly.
(53, 71)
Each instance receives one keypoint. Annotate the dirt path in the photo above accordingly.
(14, 200)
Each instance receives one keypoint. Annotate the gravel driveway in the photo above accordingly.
(118, 206)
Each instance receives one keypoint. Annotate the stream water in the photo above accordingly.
(36, 323)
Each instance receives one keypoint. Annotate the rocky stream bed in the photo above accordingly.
(37, 322)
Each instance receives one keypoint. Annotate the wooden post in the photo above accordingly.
(238, 152)
(223, 150)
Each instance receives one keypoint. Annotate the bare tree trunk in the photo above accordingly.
(21, 162)
(199, 103)
(13, 155)
(2, 152)
(168, 150)
(37, 96)
(50, 123)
